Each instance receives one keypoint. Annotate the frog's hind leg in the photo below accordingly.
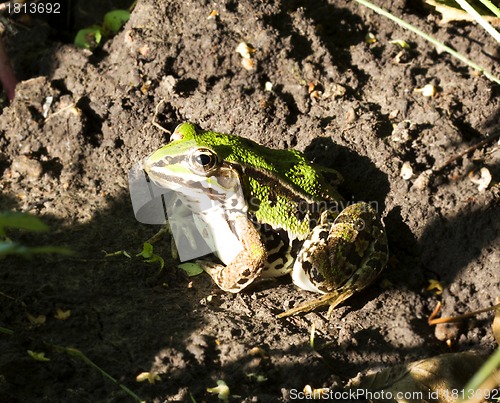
(341, 258)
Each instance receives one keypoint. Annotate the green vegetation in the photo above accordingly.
(25, 222)
(434, 41)
(91, 37)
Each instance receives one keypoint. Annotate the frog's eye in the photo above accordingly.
(203, 160)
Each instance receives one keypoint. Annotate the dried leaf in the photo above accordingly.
(423, 180)
(151, 377)
(432, 379)
(61, 314)
(38, 356)
(496, 324)
(36, 320)
(450, 11)
(213, 14)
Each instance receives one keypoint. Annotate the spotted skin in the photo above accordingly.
(288, 217)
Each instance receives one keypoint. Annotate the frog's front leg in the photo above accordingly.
(246, 266)
(342, 258)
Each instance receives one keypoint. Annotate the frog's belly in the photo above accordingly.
(219, 236)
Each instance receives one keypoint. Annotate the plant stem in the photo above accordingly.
(6, 331)
(494, 9)
(480, 20)
(487, 370)
(429, 38)
(78, 354)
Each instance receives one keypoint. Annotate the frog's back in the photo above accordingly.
(289, 167)
(281, 187)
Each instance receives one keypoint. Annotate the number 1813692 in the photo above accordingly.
(33, 8)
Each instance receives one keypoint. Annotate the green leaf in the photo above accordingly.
(149, 256)
(115, 20)
(192, 269)
(50, 249)
(10, 248)
(18, 220)
(14, 248)
(89, 38)
(157, 258)
(147, 250)
(401, 43)
(38, 356)
(222, 391)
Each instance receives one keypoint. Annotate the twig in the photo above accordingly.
(466, 151)
(459, 318)
(72, 105)
(157, 111)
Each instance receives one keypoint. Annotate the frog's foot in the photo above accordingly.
(246, 266)
(342, 258)
(333, 299)
(234, 277)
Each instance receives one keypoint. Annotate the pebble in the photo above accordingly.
(24, 166)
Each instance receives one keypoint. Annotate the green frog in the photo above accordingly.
(273, 213)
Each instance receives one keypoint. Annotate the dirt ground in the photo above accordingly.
(361, 115)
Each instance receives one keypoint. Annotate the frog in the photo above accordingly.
(276, 214)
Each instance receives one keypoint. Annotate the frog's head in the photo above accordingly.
(190, 158)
